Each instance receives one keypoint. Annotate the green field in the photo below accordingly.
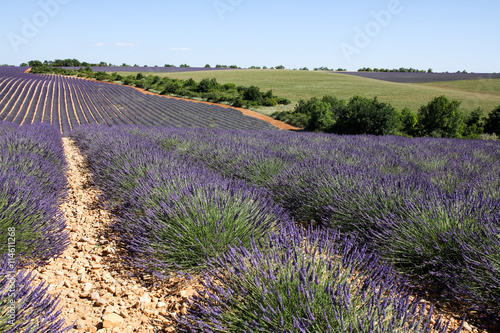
(296, 85)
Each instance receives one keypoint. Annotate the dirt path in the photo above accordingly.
(96, 291)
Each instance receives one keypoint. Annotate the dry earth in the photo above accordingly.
(98, 292)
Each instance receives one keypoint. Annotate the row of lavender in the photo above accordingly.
(260, 272)
(32, 185)
(67, 102)
(431, 207)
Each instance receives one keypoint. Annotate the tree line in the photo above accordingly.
(440, 118)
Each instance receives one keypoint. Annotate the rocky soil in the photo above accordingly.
(98, 291)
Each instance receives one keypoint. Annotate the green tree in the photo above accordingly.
(474, 124)
(409, 122)
(253, 94)
(321, 117)
(207, 85)
(441, 118)
(368, 116)
(492, 123)
(35, 63)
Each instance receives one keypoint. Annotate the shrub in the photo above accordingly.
(191, 84)
(172, 87)
(101, 76)
(174, 214)
(238, 102)
(282, 100)
(474, 124)
(492, 125)
(303, 282)
(321, 117)
(446, 238)
(441, 118)
(32, 185)
(187, 93)
(269, 102)
(194, 223)
(229, 86)
(215, 97)
(253, 94)
(409, 122)
(367, 116)
(208, 85)
(34, 309)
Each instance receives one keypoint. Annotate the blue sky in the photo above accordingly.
(443, 35)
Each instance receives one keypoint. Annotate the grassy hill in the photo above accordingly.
(296, 85)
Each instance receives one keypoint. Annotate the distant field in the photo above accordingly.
(403, 77)
(483, 87)
(296, 85)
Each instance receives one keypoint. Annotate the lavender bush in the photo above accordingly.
(173, 214)
(412, 200)
(25, 307)
(32, 185)
(299, 281)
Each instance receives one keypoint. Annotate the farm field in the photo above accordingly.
(313, 231)
(297, 85)
(292, 168)
(403, 77)
(68, 102)
(225, 205)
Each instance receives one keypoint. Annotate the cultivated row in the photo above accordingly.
(429, 206)
(68, 102)
(32, 185)
(260, 272)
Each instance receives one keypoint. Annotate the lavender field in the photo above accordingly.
(311, 232)
(401, 77)
(67, 102)
(32, 185)
(426, 208)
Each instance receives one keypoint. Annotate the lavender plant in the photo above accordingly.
(32, 185)
(201, 221)
(392, 193)
(173, 214)
(25, 307)
(299, 281)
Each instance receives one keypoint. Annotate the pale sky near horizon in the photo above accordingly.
(443, 35)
